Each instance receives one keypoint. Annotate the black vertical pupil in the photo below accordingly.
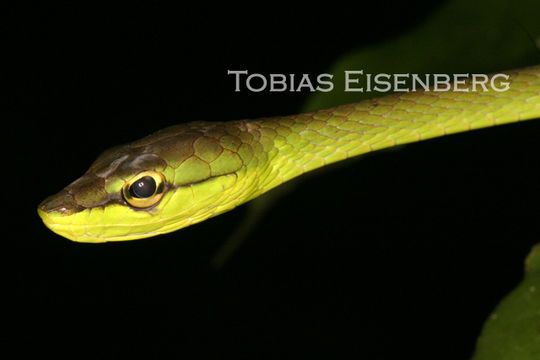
(143, 188)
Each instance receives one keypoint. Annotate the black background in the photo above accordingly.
(398, 253)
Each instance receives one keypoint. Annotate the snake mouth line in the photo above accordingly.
(79, 232)
(100, 233)
(65, 230)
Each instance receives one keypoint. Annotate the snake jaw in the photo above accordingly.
(53, 220)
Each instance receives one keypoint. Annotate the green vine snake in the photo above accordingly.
(187, 173)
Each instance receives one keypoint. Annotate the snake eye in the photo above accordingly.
(144, 190)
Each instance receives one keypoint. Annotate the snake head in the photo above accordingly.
(166, 181)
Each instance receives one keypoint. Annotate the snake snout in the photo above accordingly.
(62, 203)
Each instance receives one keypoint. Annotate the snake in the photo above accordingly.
(187, 173)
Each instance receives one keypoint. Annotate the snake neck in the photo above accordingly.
(296, 144)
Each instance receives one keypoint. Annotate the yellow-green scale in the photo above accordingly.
(300, 143)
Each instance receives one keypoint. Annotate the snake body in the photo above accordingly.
(203, 169)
